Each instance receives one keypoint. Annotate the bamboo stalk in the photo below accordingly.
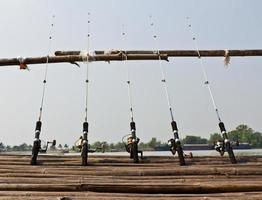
(175, 53)
(172, 180)
(120, 55)
(10, 195)
(77, 58)
(165, 171)
(195, 188)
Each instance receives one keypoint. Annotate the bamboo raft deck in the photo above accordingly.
(116, 177)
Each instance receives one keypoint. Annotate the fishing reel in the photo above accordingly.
(225, 144)
(172, 145)
(132, 143)
(175, 144)
(130, 140)
(220, 145)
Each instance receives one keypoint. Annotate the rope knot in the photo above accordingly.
(123, 54)
(84, 55)
(22, 63)
(227, 58)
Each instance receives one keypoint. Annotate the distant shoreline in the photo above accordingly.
(238, 152)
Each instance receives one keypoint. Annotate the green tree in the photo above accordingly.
(120, 146)
(112, 146)
(2, 147)
(243, 133)
(153, 143)
(215, 137)
(143, 146)
(96, 145)
(8, 148)
(22, 147)
(191, 139)
(105, 146)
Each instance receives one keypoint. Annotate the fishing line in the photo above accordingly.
(46, 66)
(87, 68)
(204, 71)
(128, 77)
(221, 147)
(163, 80)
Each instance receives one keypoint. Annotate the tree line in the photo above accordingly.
(242, 134)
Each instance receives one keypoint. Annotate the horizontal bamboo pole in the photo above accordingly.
(196, 188)
(121, 55)
(174, 53)
(142, 180)
(77, 58)
(13, 195)
(126, 171)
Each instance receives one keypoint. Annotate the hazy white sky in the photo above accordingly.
(224, 24)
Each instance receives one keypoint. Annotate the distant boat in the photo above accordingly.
(195, 147)
(243, 146)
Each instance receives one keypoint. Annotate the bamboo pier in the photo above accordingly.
(117, 177)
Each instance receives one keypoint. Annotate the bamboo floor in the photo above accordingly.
(116, 177)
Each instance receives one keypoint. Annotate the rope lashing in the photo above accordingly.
(22, 63)
(87, 56)
(227, 58)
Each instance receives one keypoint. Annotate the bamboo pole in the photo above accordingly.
(77, 58)
(196, 188)
(175, 53)
(121, 55)
(11, 195)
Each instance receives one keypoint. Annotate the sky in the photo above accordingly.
(223, 24)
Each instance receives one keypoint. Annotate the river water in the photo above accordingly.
(238, 152)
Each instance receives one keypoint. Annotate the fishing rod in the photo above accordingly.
(225, 145)
(174, 143)
(84, 149)
(132, 146)
(37, 142)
